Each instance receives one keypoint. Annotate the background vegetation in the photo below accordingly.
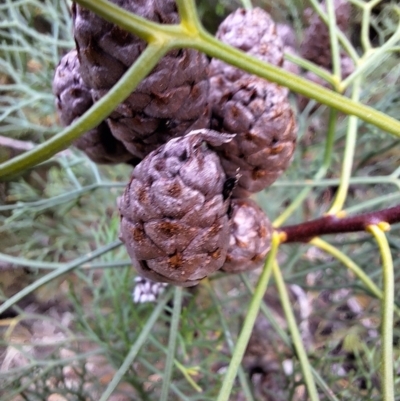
(326, 334)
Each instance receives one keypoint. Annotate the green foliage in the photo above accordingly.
(54, 216)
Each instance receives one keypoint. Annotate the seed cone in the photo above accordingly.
(256, 110)
(174, 219)
(170, 102)
(73, 98)
(250, 237)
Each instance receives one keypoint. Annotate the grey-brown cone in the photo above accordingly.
(170, 102)
(73, 98)
(174, 219)
(256, 110)
(250, 237)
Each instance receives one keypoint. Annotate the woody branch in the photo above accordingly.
(330, 224)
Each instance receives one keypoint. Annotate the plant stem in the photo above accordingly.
(309, 66)
(188, 14)
(357, 270)
(333, 29)
(285, 338)
(229, 340)
(370, 58)
(173, 334)
(391, 197)
(365, 27)
(348, 157)
(387, 381)
(213, 47)
(144, 333)
(57, 273)
(331, 224)
(341, 36)
(379, 179)
(144, 29)
(163, 38)
(93, 117)
(294, 331)
(248, 323)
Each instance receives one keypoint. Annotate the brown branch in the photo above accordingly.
(304, 232)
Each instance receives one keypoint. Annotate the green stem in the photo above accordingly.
(267, 313)
(17, 263)
(141, 27)
(294, 331)
(371, 57)
(244, 336)
(366, 16)
(353, 267)
(335, 181)
(335, 52)
(93, 117)
(341, 36)
(348, 157)
(144, 333)
(188, 13)
(178, 35)
(214, 48)
(57, 273)
(165, 37)
(387, 198)
(174, 388)
(59, 199)
(309, 66)
(229, 340)
(173, 334)
(285, 338)
(387, 381)
(184, 370)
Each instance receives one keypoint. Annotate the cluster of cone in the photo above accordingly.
(204, 137)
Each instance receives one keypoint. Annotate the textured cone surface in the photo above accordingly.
(256, 110)
(170, 102)
(316, 45)
(174, 219)
(73, 98)
(250, 237)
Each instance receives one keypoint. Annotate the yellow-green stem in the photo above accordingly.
(341, 36)
(387, 381)
(353, 267)
(335, 51)
(93, 117)
(296, 337)
(248, 323)
(348, 156)
(173, 334)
